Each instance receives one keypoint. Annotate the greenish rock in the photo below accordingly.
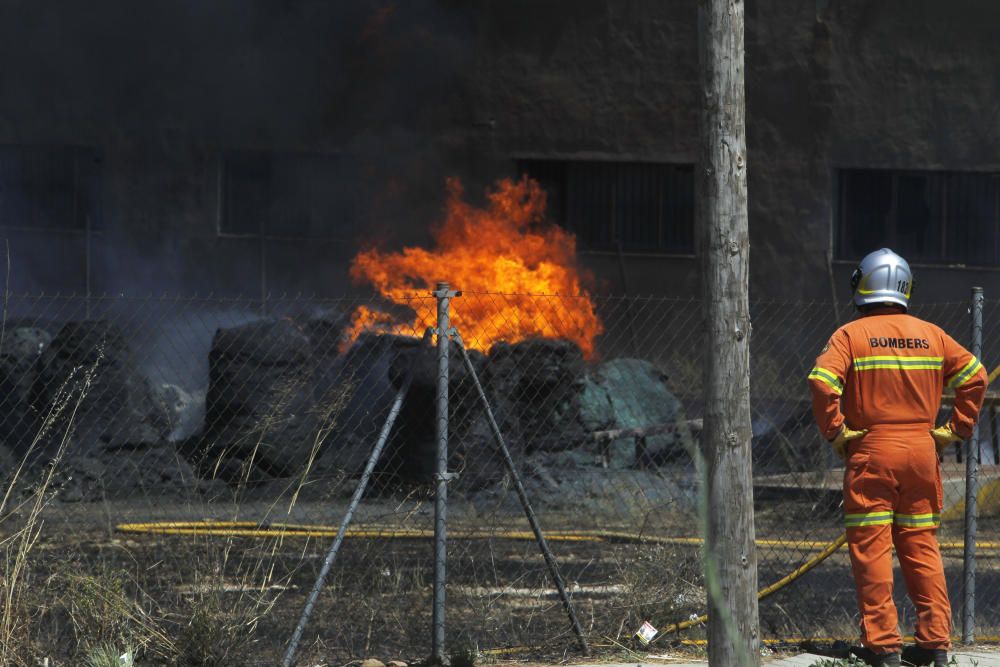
(596, 410)
(633, 394)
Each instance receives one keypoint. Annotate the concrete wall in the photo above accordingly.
(164, 89)
(855, 83)
(413, 91)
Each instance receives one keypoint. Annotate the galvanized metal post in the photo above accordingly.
(441, 476)
(971, 488)
(522, 495)
(331, 555)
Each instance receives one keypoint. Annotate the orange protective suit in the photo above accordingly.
(885, 372)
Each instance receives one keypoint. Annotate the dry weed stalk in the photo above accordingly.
(215, 627)
(16, 616)
(659, 582)
(329, 414)
(105, 617)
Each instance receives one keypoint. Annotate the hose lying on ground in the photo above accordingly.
(255, 529)
(764, 592)
(251, 529)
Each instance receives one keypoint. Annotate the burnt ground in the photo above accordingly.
(238, 598)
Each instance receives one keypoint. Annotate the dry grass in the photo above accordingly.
(16, 645)
(215, 628)
(98, 613)
(661, 583)
(108, 614)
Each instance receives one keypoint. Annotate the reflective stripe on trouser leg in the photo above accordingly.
(923, 571)
(929, 520)
(857, 520)
(871, 561)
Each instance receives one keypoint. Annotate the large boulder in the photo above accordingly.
(531, 387)
(325, 329)
(534, 387)
(633, 394)
(260, 408)
(357, 389)
(20, 351)
(88, 393)
(412, 450)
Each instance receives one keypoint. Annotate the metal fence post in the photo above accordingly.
(971, 484)
(522, 495)
(441, 476)
(359, 491)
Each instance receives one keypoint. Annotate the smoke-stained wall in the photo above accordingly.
(164, 91)
(830, 84)
(405, 93)
(596, 80)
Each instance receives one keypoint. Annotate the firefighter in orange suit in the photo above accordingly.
(876, 391)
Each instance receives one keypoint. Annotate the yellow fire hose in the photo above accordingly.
(252, 529)
(764, 592)
(289, 530)
(255, 529)
(994, 374)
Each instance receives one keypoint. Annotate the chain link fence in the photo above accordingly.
(176, 469)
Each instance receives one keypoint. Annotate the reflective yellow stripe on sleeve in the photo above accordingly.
(967, 373)
(869, 519)
(917, 520)
(898, 363)
(828, 378)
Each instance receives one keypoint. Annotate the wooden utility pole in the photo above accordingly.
(731, 559)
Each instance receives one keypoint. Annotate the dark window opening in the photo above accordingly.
(629, 206)
(48, 188)
(933, 217)
(295, 196)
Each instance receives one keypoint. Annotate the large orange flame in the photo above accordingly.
(503, 255)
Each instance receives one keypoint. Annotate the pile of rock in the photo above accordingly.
(546, 400)
(260, 409)
(283, 396)
(78, 398)
(87, 387)
(20, 352)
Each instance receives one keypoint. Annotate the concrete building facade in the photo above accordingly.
(250, 146)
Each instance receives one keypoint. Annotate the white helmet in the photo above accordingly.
(882, 277)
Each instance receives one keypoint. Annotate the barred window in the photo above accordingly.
(934, 217)
(631, 206)
(285, 195)
(48, 188)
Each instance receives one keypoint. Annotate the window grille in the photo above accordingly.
(933, 217)
(628, 206)
(48, 188)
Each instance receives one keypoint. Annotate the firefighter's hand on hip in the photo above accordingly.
(944, 436)
(844, 436)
